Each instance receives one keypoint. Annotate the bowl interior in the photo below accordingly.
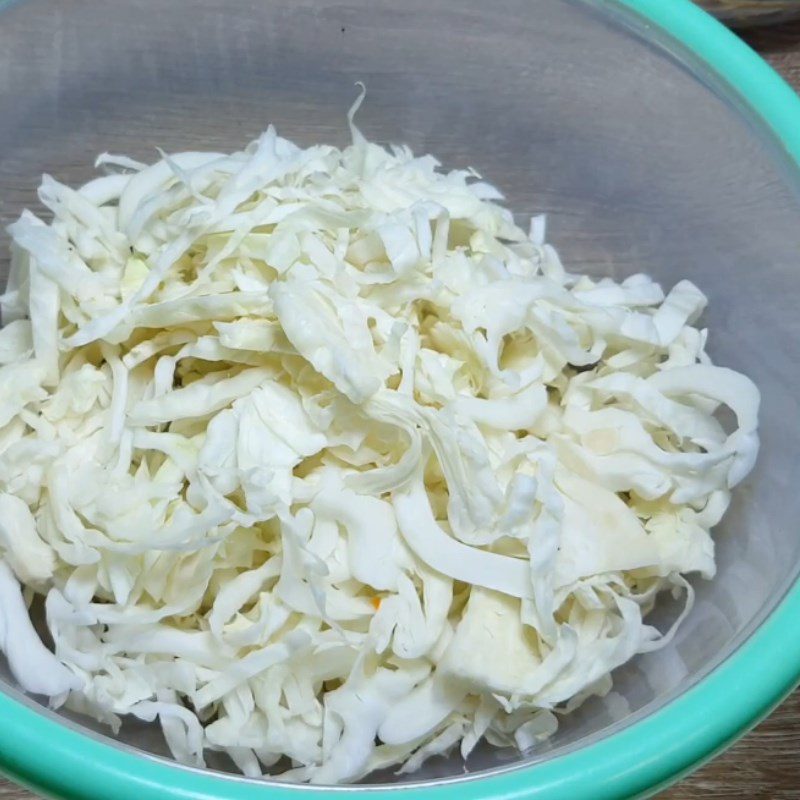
(642, 159)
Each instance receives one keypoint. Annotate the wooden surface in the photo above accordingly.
(765, 765)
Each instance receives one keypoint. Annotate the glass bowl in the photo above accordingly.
(654, 140)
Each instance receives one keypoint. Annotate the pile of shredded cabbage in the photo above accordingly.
(321, 461)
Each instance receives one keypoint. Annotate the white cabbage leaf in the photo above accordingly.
(314, 457)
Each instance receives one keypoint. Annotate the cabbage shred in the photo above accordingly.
(315, 455)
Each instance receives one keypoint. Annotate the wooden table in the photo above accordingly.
(765, 765)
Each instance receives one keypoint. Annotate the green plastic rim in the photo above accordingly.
(53, 759)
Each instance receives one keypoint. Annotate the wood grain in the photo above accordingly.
(765, 765)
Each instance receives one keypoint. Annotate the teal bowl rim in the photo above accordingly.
(638, 760)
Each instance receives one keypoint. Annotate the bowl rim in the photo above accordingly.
(638, 760)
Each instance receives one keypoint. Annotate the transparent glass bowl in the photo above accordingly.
(643, 157)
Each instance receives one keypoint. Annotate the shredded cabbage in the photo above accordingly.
(321, 461)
